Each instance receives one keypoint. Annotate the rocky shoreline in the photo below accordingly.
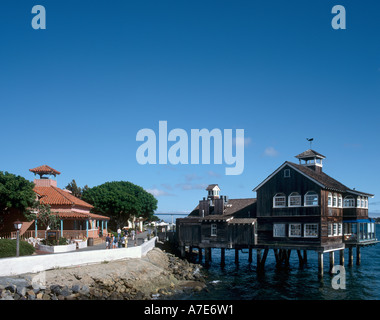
(159, 275)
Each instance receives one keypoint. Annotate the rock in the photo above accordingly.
(11, 288)
(85, 290)
(75, 288)
(40, 295)
(45, 297)
(21, 291)
(55, 288)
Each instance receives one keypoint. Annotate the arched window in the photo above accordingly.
(311, 198)
(335, 200)
(349, 202)
(279, 200)
(294, 199)
(329, 200)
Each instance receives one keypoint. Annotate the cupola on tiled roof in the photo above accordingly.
(44, 169)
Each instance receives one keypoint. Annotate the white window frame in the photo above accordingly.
(329, 229)
(276, 198)
(335, 200)
(299, 226)
(287, 173)
(340, 229)
(306, 225)
(294, 195)
(340, 201)
(335, 229)
(279, 230)
(358, 202)
(329, 200)
(349, 202)
(306, 201)
(214, 229)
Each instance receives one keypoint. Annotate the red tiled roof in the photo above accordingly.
(56, 196)
(44, 169)
(71, 214)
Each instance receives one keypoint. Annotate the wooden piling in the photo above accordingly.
(236, 256)
(358, 256)
(200, 255)
(300, 258)
(222, 257)
(320, 265)
(207, 256)
(331, 261)
(250, 254)
(341, 257)
(258, 258)
(350, 256)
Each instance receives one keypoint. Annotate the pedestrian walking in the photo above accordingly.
(114, 243)
(108, 241)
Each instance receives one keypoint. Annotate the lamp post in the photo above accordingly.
(18, 224)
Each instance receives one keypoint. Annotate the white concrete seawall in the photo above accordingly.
(31, 264)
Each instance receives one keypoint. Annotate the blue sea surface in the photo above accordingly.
(242, 282)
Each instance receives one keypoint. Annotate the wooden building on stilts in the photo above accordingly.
(298, 208)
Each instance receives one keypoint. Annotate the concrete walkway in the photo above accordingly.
(139, 239)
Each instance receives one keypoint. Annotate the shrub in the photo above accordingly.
(8, 248)
(59, 242)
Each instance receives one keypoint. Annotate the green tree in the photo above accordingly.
(44, 216)
(120, 200)
(75, 190)
(16, 193)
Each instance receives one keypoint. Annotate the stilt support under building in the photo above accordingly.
(331, 261)
(358, 255)
(350, 257)
(222, 257)
(320, 265)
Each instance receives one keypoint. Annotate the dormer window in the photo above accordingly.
(279, 200)
(311, 199)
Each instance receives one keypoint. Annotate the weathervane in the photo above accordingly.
(310, 140)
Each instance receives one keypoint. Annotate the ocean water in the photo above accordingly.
(242, 282)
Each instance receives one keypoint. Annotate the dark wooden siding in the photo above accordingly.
(278, 184)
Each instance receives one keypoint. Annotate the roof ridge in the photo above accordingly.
(58, 190)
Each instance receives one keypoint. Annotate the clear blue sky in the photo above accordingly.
(74, 96)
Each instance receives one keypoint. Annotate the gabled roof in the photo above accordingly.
(44, 169)
(235, 208)
(212, 186)
(310, 154)
(320, 178)
(56, 196)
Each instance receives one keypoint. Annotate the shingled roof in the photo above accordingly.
(321, 178)
(237, 208)
(310, 154)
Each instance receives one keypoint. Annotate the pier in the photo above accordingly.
(298, 208)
